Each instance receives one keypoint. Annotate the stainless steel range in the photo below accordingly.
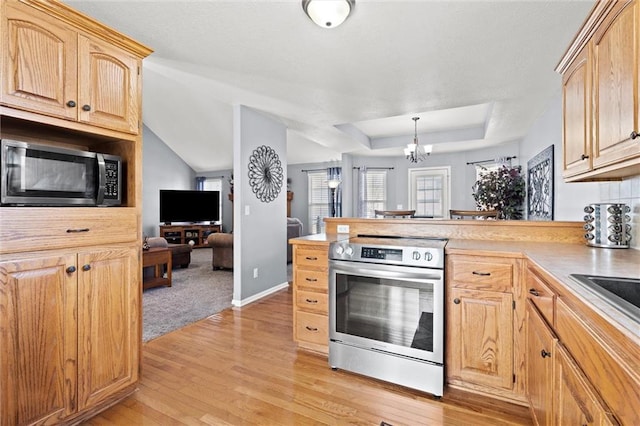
(386, 309)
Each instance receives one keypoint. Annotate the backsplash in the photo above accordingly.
(627, 192)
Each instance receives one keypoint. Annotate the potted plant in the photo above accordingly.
(503, 190)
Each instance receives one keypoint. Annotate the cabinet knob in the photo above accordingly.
(545, 354)
(634, 135)
(86, 267)
(71, 269)
(456, 301)
(584, 157)
(71, 104)
(534, 292)
(86, 108)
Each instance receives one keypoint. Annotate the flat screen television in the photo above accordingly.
(189, 206)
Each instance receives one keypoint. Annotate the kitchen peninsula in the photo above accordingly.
(518, 327)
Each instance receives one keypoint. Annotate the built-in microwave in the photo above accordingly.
(42, 175)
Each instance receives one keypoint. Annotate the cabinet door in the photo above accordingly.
(108, 314)
(540, 355)
(616, 90)
(576, 137)
(577, 402)
(38, 340)
(40, 63)
(108, 85)
(480, 330)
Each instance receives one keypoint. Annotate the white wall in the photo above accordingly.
(161, 169)
(260, 233)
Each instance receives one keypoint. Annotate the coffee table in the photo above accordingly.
(157, 257)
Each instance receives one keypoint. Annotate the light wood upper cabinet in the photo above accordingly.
(58, 70)
(38, 343)
(40, 63)
(576, 110)
(601, 95)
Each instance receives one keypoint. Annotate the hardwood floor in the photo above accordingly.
(241, 366)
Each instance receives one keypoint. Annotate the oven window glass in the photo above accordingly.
(41, 173)
(387, 310)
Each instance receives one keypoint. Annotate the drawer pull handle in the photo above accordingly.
(482, 274)
(311, 328)
(456, 301)
(584, 157)
(311, 301)
(313, 280)
(78, 230)
(545, 354)
(534, 292)
(71, 269)
(311, 258)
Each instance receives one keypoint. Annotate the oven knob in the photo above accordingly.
(349, 251)
(339, 250)
(428, 256)
(416, 255)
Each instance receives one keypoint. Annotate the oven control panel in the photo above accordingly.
(426, 257)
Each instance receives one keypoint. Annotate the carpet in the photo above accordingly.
(196, 292)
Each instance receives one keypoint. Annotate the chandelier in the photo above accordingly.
(414, 152)
(328, 13)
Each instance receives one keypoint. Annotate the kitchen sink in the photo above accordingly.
(621, 293)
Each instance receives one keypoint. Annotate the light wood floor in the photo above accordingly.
(242, 367)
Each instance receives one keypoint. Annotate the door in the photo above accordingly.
(615, 53)
(108, 86)
(39, 68)
(108, 311)
(540, 356)
(577, 402)
(38, 346)
(576, 119)
(480, 329)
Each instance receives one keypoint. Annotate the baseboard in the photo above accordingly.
(262, 294)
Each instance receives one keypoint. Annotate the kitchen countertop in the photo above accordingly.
(559, 260)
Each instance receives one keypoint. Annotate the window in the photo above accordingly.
(318, 200)
(214, 184)
(429, 191)
(373, 192)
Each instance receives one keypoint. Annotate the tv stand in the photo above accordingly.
(182, 234)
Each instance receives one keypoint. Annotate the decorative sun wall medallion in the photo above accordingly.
(266, 175)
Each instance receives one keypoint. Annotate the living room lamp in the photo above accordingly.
(414, 152)
(333, 185)
(328, 13)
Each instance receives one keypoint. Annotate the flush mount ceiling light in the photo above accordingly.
(414, 152)
(328, 13)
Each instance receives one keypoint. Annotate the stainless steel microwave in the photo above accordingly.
(41, 175)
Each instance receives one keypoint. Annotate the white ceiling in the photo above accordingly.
(477, 73)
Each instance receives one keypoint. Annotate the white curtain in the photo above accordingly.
(362, 191)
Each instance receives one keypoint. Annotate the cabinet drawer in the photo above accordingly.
(312, 328)
(542, 297)
(27, 229)
(311, 301)
(312, 258)
(317, 280)
(481, 275)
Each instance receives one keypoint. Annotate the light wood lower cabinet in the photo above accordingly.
(558, 391)
(482, 326)
(310, 288)
(70, 332)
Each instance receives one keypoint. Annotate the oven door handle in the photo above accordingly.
(385, 272)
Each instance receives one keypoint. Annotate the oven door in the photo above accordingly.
(395, 309)
(43, 175)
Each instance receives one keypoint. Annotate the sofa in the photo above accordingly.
(294, 229)
(221, 250)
